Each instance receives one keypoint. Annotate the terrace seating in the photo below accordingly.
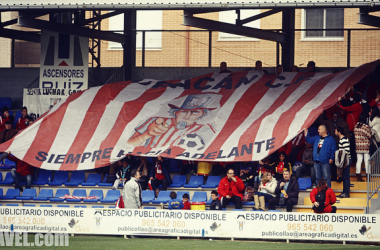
(104, 183)
(60, 192)
(97, 207)
(212, 182)
(181, 193)
(112, 196)
(46, 205)
(8, 180)
(44, 195)
(10, 194)
(63, 205)
(43, 177)
(304, 183)
(95, 192)
(199, 197)
(79, 193)
(77, 177)
(194, 182)
(147, 196)
(60, 177)
(163, 196)
(28, 194)
(92, 180)
(29, 205)
(178, 181)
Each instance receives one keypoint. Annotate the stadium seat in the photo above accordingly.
(79, 193)
(208, 203)
(163, 196)
(1, 192)
(18, 115)
(199, 197)
(248, 203)
(111, 207)
(5, 167)
(60, 192)
(11, 194)
(44, 195)
(95, 192)
(174, 165)
(97, 207)
(112, 196)
(104, 183)
(194, 182)
(212, 182)
(238, 209)
(147, 196)
(149, 207)
(6, 101)
(77, 177)
(60, 177)
(9, 162)
(92, 180)
(178, 181)
(63, 205)
(27, 194)
(304, 183)
(46, 205)
(274, 210)
(80, 206)
(29, 205)
(43, 177)
(8, 180)
(181, 193)
(12, 205)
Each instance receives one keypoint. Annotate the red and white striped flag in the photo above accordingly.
(239, 116)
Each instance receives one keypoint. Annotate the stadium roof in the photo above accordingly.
(16, 5)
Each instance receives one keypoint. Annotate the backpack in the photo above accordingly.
(120, 202)
(248, 194)
(320, 198)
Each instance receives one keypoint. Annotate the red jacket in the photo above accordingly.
(231, 188)
(373, 103)
(186, 206)
(354, 112)
(22, 167)
(330, 199)
(20, 125)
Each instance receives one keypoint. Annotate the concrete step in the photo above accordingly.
(339, 210)
(362, 195)
(344, 202)
(354, 185)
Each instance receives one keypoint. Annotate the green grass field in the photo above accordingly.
(109, 242)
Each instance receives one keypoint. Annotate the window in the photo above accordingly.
(145, 20)
(230, 17)
(324, 19)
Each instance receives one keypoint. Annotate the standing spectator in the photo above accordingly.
(159, 174)
(215, 203)
(231, 189)
(144, 167)
(362, 141)
(329, 200)
(23, 121)
(311, 66)
(324, 148)
(132, 192)
(287, 191)
(308, 164)
(223, 68)
(281, 165)
(374, 124)
(353, 114)
(376, 102)
(4, 117)
(266, 191)
(185, 201)
(23, 171)
(174, 203)
(8, 133)
(259, 66)
(344, 144)
(123, 174)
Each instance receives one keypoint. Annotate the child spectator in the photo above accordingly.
(308, 164)
(215, 204)
(185, 201)
(281, 165)
(174, 203)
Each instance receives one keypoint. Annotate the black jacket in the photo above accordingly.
(215, 205)
(292, 191)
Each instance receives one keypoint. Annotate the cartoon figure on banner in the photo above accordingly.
(54, 101)
(182, 127)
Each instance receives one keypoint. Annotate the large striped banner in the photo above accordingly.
(239, 116)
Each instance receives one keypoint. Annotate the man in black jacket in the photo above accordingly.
(287, 191)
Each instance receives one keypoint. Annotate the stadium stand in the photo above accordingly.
(163, 196)
(212, 182)
(181, 193)
(92, 180)
(78, 193)
(44, 195)
(60, 177)
(8, 180)
(60, 193)
(104, 183)
(43, 177)
(111, 197)
(199, 197)
(194, 182)
(95, 192)
(304, 183)
(77, 178)
(147, 196)
(10, 194)
(178, 181)
(28, 194)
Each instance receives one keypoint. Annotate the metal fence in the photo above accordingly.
(373, 182)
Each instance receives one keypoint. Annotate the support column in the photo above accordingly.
(288, 25)
(129, 52)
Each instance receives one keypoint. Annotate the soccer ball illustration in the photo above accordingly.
(191, 141)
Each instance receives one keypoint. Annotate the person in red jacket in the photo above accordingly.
(376, 102)
(23, 121)
(23, 172)
(231, 189)
(330, 197)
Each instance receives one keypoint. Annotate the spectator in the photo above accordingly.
(123, 174)
(218, 168)
(187, 165)
(308, 164)
(5, 116)
(311, 66)
(245, 170)
(354, 112)
(329, 200)
(259, 66)
(215, 203)
(344, 145)
(376, 102)
(362, 139)
(223, 68)
(23, 121)
(279, 70)
(174, 203)
(263, 167)
(374, 124)
(266, 191)
(114, 167)
(144, 167)
(159, 174)
(287, 191)
(23, 171)
(324, 148)
(295, 69)
(185, 201)
(132, 191)
(8, 133)
(231, 189)
(281, 164)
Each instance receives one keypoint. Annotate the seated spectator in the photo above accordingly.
(124, 174)
(374, 124)
(266, 191)
(223, 68)
(281, 165)
(23, 121)
(185, 202)
(215, 203)
(263, 167)
(4, 117)
(279, 70)
(245, 170)
(231, 189)
(376, 102)
(287, 191)
(174, 203)
(159, 174)
(23, 171)
(308, 164)
(321, 205)
(218, 168)
(295, 69)
(311, 66)
(259, 66)
(144, 167)
(8, 133)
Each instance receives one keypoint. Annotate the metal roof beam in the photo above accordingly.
(234, 29)
(256, 17)
(98, 18)
(7, 23)
(20, 35)
(369, 20)
(71, 29)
